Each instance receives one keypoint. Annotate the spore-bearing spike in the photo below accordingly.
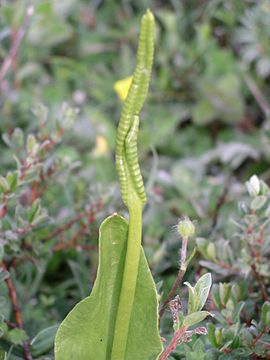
(126, 143)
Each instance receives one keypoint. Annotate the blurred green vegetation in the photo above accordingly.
(205, 131)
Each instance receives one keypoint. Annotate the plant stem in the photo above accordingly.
(179, 278)
(16, 44)
(129, 281)
(17, 311)
(221, 201)
(260, 281)
(90, 213)
(257, 338)
(174, 342)
(258, 95)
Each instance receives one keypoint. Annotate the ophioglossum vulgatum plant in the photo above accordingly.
(119, 320)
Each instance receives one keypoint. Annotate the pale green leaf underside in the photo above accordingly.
(87, 333)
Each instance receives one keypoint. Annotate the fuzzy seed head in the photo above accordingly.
(186, 228)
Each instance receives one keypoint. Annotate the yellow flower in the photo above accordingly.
(121, 87)
(101, 147)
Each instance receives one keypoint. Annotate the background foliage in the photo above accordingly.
(205, 131)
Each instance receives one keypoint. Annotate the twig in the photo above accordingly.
(254, 268)
(259, 97)
(88, 213)
(174, 342)
(254, 255)
(220, 202)
(17, 311)
(69, 245)
(72, 243)
(82, 231)
(13, 298)
(260, 281)
(179, 278)
(16, 44)
(11, 324)
(257, 338)
(3, 206)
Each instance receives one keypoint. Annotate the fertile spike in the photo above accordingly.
(126, 157)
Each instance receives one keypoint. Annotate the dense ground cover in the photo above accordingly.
(204, 133)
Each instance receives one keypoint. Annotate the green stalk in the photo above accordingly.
(129, 281)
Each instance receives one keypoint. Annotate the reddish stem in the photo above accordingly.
(178, 279)
(88, 213)
(257, 338)
(3, 206)
(17, 311)
(17, 39)
(260, 281)
(174, 342)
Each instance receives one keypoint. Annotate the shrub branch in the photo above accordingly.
(17, 312)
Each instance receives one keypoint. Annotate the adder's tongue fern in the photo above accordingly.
(131, 182)
(110, 324)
